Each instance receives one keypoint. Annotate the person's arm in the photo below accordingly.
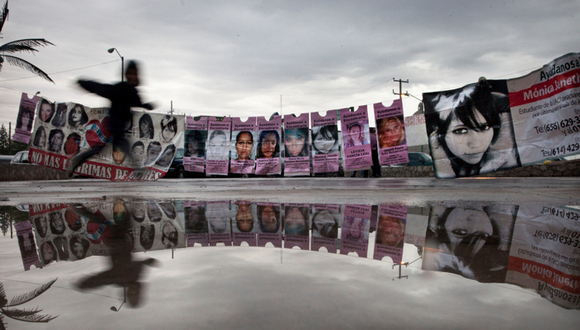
(103, 90)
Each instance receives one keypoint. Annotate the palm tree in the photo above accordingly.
(22, 45)
(26, 315)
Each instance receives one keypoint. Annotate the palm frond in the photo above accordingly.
(3, 15)
(25, 45)
(3, 299)
(2, 324)
(16, 61)
(28, 315)
(19, 300)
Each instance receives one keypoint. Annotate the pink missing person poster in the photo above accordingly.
(390, 237)
(325, 220)
(64, 130)
(218, 218)
(268, 147)
(391, 139)
(27, 244)
(243, 223)
(296, 225)
(325, 142)
(296, 145)
(194, 144)
(218, 146)
(243, 144)
(195, 223)
(355, 230)
(25, 118)
(269, 224)
(356, 139)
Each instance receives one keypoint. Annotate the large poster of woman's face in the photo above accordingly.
(470, 130)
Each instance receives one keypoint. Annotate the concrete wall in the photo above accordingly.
(10, 172)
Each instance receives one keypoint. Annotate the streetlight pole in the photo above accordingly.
(111, 50)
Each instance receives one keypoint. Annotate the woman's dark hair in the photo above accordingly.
(39, 229)
(329, 132)
(195, 136)
(146, 118)
(40, 109)
(200, 223)
(84, 117)
(51, 246)
(349, 126)
(299, 133)
(52, 222)
(171, 122)
(25, 112)
(243, 132)
(59, 118)
(53, 133)
(37, 136)
(327, 230)
(261, 137)
(147, 242)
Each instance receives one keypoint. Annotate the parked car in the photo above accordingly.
(420, 159)
(176, 168)
(6, 158)
(21, 158)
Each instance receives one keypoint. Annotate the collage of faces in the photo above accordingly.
(67, 128)
(73, 233)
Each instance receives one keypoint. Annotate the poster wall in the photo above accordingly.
(194, 144)
(356, 139)
(325, 142)
(64, 130)
(296, 145)
(218, 146)
(25, 118)
(243, 146)
(268, 148)
(391, 138)
(495, 125)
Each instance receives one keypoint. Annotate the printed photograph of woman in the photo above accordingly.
(391, 132)
(40, 138)
(45, 111)
(296, 142)
(217, 146)
(25, 118)
(195, 144)
(153, 151)
(59, 118)
(269, 218)
(166, 157)
(146, 130)
(55, 140)
(168, 128)
(470, 130)
(355, 136)
(244, 145)
(77, 116)
(324, 139)
(268, 144)
(72, 144)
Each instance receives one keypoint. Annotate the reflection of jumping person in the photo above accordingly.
(470, 131)
(123, 96)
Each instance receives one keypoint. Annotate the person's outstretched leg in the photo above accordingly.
(75, 161)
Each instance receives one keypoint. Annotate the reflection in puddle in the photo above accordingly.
(531, 246)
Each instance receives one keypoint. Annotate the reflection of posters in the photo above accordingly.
(296, 145)
(195, 223)
(473, 242)
(218, 141)
(268, 148)
(355, 230)
(544, 108)
(194, 148)
(243, 223)
(390, 235)
(544, 253)
(218, 218)
(391, 138)
(27, 244)
(296, 225)
(269, 224)
(325, 142)
(25, 118)
(243, 144)
(470, 130)
(356, 139)
(149, 142)
(325, 219)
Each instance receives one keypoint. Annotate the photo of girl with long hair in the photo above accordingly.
(470, 130)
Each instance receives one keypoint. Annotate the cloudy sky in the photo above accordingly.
(240, 58)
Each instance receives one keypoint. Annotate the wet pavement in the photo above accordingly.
(292, 253)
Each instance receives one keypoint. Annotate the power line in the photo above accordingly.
(59, 72)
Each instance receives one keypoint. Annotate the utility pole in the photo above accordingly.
(400, 93)
(171, 110)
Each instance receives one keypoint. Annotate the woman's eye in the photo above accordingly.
(459, 232)
(485, 127)
(461, 130)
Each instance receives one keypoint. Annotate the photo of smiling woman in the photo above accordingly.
(470, 130)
